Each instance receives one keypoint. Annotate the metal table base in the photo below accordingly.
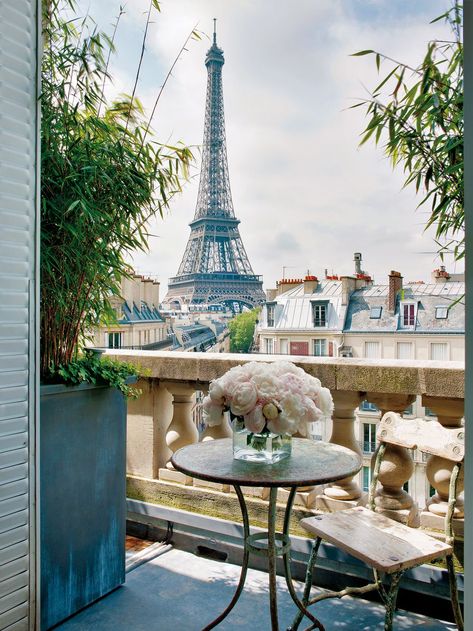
(270, 544)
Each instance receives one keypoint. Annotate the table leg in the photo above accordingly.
(272, 555)
(244, 565)
(316, 624)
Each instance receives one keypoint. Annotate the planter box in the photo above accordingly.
(82, 497)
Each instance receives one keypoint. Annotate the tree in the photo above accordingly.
(103, 176)
(417, 115)
(242, 329)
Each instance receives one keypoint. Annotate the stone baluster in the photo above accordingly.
(147, 421)
(397, 466)
(449, 413)
(182, 430)
(339, 495)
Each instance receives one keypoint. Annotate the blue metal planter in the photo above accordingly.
(82, 497)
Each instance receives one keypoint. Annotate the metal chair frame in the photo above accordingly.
(389, 593)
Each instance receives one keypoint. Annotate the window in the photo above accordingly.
(369, 438)
(270, 314)
(429, 412)
(375, 313)
(268, 345)
(366, 478)
(320, 348)
(439, 351)
(409, 411)
(366, 406)
(404, 350)
(114, 340)
(372, 350)
(319, 313)
(408, 314)
(283, 346)
(441, 313)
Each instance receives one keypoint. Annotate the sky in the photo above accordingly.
(307, 195)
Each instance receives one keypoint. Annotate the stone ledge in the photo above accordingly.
(211, 502)
(352, 374)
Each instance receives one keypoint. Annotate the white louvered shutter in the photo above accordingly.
(18, 163)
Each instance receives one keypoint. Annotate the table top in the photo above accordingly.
(311, 463)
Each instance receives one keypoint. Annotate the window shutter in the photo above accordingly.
(404, 350)
(299, 348)
(18, 160)
(372, 350)
(439, 351)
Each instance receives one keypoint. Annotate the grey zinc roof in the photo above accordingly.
(426, 296)
(293, 309)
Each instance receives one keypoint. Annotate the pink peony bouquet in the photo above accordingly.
(275, 397)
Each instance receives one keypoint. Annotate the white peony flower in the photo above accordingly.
(244, 398)
(282, 424)
(312, 413)
(268, 386)
(326, 402)
(255, 420)
(213, 412)
(216, 392)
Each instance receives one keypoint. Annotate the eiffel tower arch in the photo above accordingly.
(215, 267)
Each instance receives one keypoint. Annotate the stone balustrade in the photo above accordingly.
(161, 421)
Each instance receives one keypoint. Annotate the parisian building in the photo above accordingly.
(352, 317)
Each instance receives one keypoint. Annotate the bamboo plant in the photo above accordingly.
(103, 176)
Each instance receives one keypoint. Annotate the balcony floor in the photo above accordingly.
(178, 590)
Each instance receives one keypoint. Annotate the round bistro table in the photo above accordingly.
(311, 463)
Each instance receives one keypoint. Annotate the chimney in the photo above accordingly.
(156, 293)
(310, 284)
(137, 290)
(357, 259)
(127, 291)
(348, 287)
(271, 294)
(440, 275)
(148, 296)
(395, 285)
(286, 284)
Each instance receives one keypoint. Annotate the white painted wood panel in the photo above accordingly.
(18, 175)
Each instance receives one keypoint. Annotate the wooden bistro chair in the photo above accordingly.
(388, 547)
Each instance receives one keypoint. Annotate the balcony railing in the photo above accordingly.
(165, 418)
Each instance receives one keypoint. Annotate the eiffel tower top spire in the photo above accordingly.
(214, 198)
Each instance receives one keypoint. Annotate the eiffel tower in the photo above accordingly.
(215, 267)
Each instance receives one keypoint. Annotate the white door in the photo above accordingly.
(18, 177)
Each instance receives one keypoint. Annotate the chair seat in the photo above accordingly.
(381, 542)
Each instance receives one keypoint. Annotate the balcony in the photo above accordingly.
(205, 517)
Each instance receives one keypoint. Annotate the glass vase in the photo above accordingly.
(265, 448)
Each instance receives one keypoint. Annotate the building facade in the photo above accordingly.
(139, 324)
(350, 316)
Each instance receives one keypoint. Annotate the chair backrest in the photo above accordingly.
(429, 437)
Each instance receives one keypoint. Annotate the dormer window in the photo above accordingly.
(270, 314)
(375, 313)
(319, 314)
(408, 314)
(441, 312)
